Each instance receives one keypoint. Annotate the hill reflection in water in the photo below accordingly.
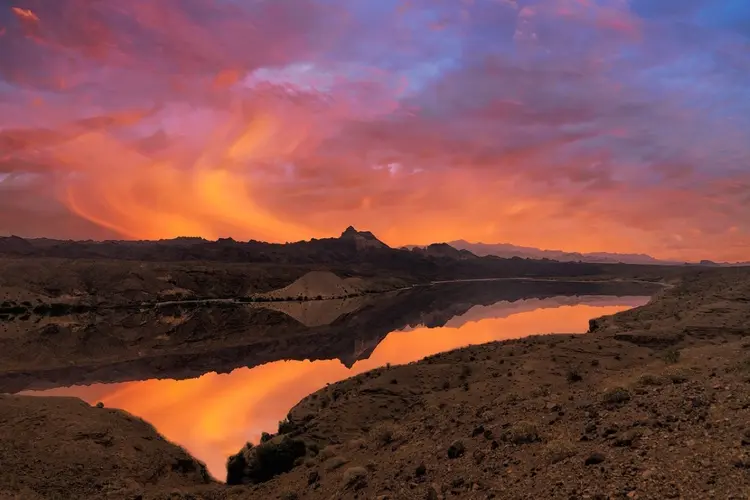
(213, 415)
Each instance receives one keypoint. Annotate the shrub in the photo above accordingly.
(573, 375)
(335, 463)
(384, 433)
(671, 356)
(522, 433)
(257, 464)
(649, 379)
(355, 477)
(559, 450)
(616, 396)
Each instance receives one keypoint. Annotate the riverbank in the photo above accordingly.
(649, 405)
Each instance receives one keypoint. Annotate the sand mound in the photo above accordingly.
(316, 312)
(318, 284)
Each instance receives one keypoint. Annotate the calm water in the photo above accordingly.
(213, 415)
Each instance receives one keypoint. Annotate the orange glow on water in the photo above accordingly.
(214, 415)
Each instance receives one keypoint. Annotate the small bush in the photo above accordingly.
(286, 426)
(650, 380)
(558, 450)
(327, 452)
(671, 356)
(384, 433)
(522, 433)
(616, 396)
(257, 464)
(355, 478)
(335, 463)
(573, 375)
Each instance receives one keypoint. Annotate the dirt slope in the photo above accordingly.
(64, 448)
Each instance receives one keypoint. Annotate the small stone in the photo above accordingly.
(594, 459)
(421, 470)
(313, 477)
(456, 449)
(647, 473)
(478, 456)
(100, 405)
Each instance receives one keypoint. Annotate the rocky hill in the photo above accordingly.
(59, 274)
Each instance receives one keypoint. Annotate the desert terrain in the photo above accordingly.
(649, 404)
(62, 277)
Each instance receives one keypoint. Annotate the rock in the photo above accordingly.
(313, 477)
(421, 470)
(594, 459)
(478, 456)
(100, 405)
(626, 439)
(432, 493)
(456, 450)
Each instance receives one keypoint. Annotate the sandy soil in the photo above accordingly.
(318, 284)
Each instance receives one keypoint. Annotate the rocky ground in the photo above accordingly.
(64, 448)
(654, 403)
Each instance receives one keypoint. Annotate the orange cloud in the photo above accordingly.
(565, 124)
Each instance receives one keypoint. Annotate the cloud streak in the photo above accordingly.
(582, 125)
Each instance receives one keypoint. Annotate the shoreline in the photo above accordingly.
(523, 417)
(25, 308)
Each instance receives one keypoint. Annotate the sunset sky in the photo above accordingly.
(581, 125)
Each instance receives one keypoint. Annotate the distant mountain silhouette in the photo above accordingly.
(506, 250)
(362, 239)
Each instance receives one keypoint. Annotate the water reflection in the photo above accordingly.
(213, 415)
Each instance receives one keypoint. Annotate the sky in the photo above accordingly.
(580, 125)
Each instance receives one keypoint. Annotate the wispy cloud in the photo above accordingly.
(575, 124)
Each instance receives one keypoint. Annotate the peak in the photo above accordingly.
(351, 232)
(361, 238)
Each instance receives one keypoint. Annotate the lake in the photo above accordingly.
(264, 369)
